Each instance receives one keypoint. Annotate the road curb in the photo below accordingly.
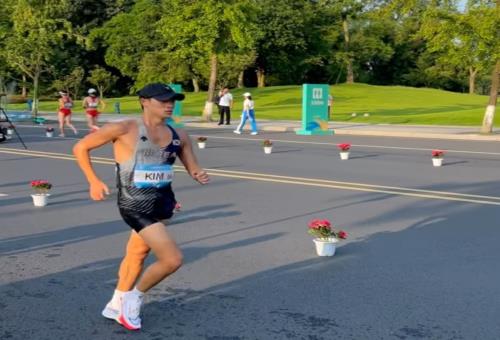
(417, 135)
(281, 127)
(385, 133)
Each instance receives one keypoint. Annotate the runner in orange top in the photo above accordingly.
(64, 113)
(91, 104)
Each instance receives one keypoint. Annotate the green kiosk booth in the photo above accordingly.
(176, 121)
(315, 110)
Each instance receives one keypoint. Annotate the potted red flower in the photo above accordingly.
(268, 146)
(202, 142)
(437, 157)
(49, 131)
(41, 195)
(344, 150)
(326, 237)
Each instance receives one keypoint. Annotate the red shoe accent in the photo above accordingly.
(124, 323)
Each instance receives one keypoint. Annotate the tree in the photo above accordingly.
(348, 10)
(70, 83)
(102, 79)
(290, 34)
(129, 36)
(160, 67)
(460, 38)
(489, 114)
(204, 30)
(231, 66)
(37, 27)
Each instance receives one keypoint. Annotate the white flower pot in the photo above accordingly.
(202, 145)
(437, 161)
(10, 131)
(49, 134)
(344, 155)
(40, 200)
(268, 149)
(325, 247)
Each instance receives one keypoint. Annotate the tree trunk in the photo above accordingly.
(209, 105)
(23, 90)
(489, 114)
(240, 80)
(350, 73)
(76, 90)
(472, 80)
(261, 78)
(34, 108)
(196, 85)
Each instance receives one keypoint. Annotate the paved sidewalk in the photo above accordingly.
(340, 128)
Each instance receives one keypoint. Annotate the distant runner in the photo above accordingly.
(64, 113)
(91, 104)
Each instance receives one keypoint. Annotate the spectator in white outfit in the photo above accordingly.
(248, 113)
(225, 106)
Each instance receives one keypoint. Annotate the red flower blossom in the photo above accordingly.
(317, 223)
(342, 234)
(437, 153)
(41, 186)
(344, 146)
(323, 229)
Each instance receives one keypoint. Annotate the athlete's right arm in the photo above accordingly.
(108, 133)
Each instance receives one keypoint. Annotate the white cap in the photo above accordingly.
(247, 94)
(62, 93)
(92, 91)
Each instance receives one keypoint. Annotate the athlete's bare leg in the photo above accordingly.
(67, 120)
(92, 122)
(169, 256)
(132, 264)
(60, 117)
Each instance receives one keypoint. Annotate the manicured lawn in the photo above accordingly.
(385, 104)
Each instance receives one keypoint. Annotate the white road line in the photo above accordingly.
(323, 143)
(2, 195)
(323, 183)
(357, 145)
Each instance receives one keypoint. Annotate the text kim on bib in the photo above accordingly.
(153, 176)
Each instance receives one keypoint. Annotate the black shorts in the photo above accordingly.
(138, 220)
(140, 214)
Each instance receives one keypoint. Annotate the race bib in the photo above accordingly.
(153, 176)
(68, 105)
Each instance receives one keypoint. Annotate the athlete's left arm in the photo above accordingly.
(189, 159)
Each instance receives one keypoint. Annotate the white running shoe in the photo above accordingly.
(238, 132)
(131, 309)
(254, 133)
(111, 312)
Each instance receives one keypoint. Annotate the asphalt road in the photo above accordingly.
(421, 261)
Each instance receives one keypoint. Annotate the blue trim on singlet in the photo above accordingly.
(174, 147)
